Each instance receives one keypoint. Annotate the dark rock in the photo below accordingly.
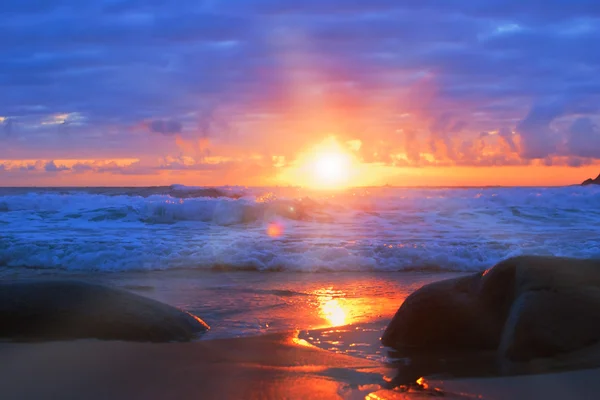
(592, 181)
(524, 308)
(443, 317)
(60, 310)
(556, 308)
(544, 323)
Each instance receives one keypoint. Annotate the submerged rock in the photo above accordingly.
(524, 308)
(60, 310)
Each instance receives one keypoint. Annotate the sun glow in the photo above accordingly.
(328, 165)
(331, 169)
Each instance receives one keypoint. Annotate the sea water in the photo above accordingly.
(289, 229)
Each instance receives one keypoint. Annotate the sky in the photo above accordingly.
(262, 92)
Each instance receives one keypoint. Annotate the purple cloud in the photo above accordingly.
(584, 138)
(167, 127)
(50, 166)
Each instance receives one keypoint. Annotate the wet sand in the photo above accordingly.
(274, 366)
(270, 366)
(582, 384)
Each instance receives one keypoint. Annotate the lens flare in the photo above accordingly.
(275, 229)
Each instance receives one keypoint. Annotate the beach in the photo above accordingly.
(297, 290)
(290, 344)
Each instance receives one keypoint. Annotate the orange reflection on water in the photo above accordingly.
(301, 342)
(333, 306)
(421, 382)
(334, 312)
(343, 307)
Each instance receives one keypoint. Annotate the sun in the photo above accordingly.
(328, 165)
(331, 169)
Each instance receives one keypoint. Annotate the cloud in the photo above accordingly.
(584, 138)
(508, 138)
(81, 167)
(577, 162)
(28, 167)
(166, 127)
(50, 166)
(538, 138)
(8, 126)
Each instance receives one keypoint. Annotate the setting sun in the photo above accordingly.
(331, 168)
(327, 165)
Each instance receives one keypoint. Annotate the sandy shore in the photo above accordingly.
(267, 367)
(271, 366)
(582, 384)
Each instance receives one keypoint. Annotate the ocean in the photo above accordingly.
(257, 260)
(288, 229)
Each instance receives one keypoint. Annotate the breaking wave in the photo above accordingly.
(233, 228)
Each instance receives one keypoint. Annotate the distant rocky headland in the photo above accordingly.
(592, 181)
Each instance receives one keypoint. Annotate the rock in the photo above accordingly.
(524, 308)
(592, 181)
(544, 323)
(443, 317)
(61, 310)
(555, 308)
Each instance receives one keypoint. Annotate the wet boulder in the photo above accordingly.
(443, 317)
(555, 308)
(545, 323)
(63, 310)
(524, 308)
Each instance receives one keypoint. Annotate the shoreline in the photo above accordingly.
(240, 303)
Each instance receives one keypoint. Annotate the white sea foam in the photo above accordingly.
(386, 229)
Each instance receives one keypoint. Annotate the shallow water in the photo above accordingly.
(340, 312)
